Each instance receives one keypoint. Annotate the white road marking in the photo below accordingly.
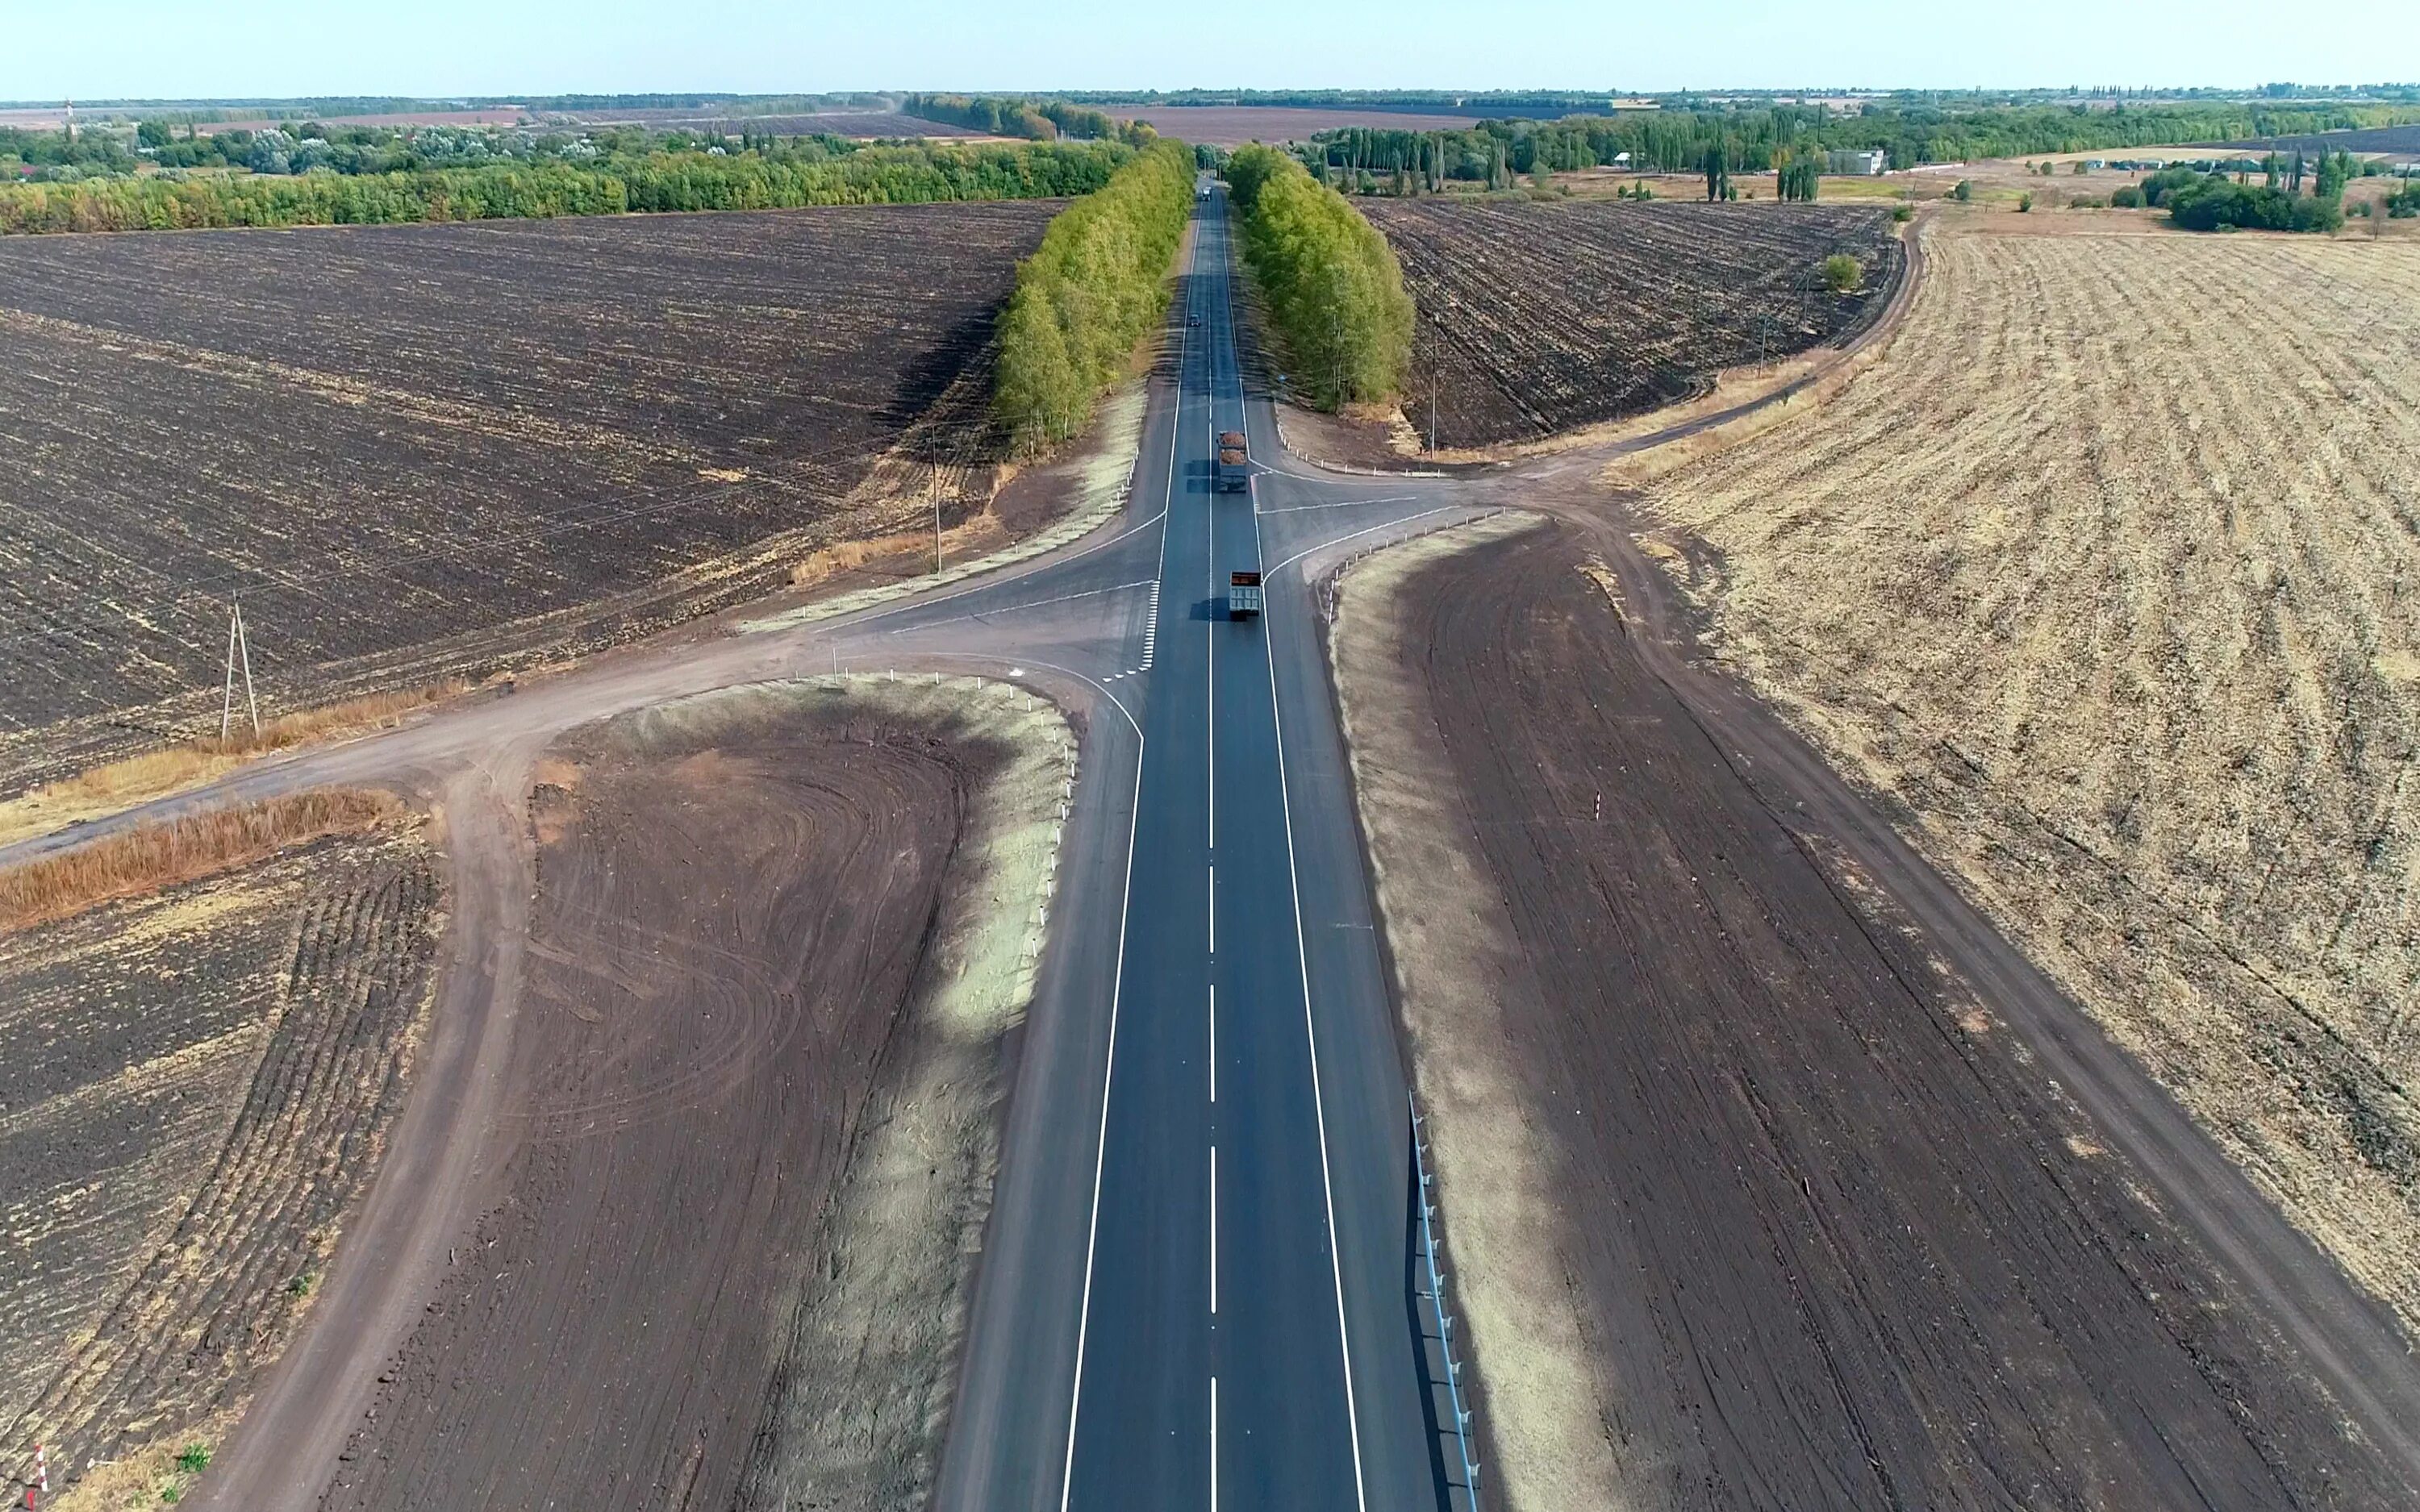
(1214, 1230)
(1214, 910)
(1310, 1037)
(1214, 1043)
(1118, 981)
(1214, 1443)
(1345, 503)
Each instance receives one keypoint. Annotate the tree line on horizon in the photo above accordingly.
(662, 182)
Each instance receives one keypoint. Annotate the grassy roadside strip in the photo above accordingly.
(152, 857)
(1089, 294)
(1331, 285)
(658, 183)
(155, 774)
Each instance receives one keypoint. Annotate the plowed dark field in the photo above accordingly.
(1836, 1240)
(417, 449)
(730, 925)
(1538, 317)
(199, 1084)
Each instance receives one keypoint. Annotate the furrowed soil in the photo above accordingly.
(1751, 1202)
(417, 452)
(2119, 620)
(1538, 317)
(199, 1085)
(779, 933)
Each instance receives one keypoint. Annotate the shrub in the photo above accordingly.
(1093, 289)
(1331, 285)
(2217, 202)
(1842, 273)
(193, 1459)
(1965, 191)
(1902, 213)
(2128, 198)
(2024, 202)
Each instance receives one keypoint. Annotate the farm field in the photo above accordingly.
(200, 1085)
(414, 451)
(2394, 141)
(853, 123)
(2118, 619)
(1232, 126)
(1752, 1197)
(748, 1115)
(1541, 317)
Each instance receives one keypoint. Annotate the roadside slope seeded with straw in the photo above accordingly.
(1089, 293)
(2118, 614)
(1330, 283)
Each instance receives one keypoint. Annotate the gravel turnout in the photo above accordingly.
(1753, 1201)
(730, 1206)
(1544, 316)
(200, 1082)
(414, 450)
(2116, 613)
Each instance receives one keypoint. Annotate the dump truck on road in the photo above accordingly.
(1243, 594)
(1235, 467)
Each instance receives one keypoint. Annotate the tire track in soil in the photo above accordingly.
(1838, 1241)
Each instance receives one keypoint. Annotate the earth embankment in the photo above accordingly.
(1753, 1201)
(740, 1173)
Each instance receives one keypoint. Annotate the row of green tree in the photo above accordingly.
(1678, 141)
(660, 181)
(1095, 286)
(1044, 120)
(1330, 285)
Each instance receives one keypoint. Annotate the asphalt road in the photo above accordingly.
(1213, 786)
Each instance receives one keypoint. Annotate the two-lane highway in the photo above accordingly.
(1237, 1291)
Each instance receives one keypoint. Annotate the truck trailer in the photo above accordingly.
(1243, 594)
(1234, 467)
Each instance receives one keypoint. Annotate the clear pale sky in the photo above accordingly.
(98, 49)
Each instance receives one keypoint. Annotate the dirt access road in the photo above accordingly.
(1832, 1233)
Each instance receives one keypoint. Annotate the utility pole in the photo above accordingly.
(238, 645)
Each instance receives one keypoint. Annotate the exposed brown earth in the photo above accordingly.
(1754, 1202)
(2116, 619)
(748, 1126)
(200, 1082)
(415, 452)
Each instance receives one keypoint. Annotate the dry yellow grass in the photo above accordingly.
(2106, 575)
(157, 773)
(150, 856)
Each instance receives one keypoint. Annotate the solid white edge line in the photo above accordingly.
(1118, 979)
(1310, 1037)
(1214, 1443)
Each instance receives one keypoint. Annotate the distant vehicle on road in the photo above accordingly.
(1234, 467)
(1243, 595)
(1192, 319)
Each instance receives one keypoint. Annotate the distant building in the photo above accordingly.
(1857, 164)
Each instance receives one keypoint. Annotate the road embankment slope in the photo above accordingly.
(729, 1196)
(1754, 1201)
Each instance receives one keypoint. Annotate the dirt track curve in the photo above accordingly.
(1835, 1238)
